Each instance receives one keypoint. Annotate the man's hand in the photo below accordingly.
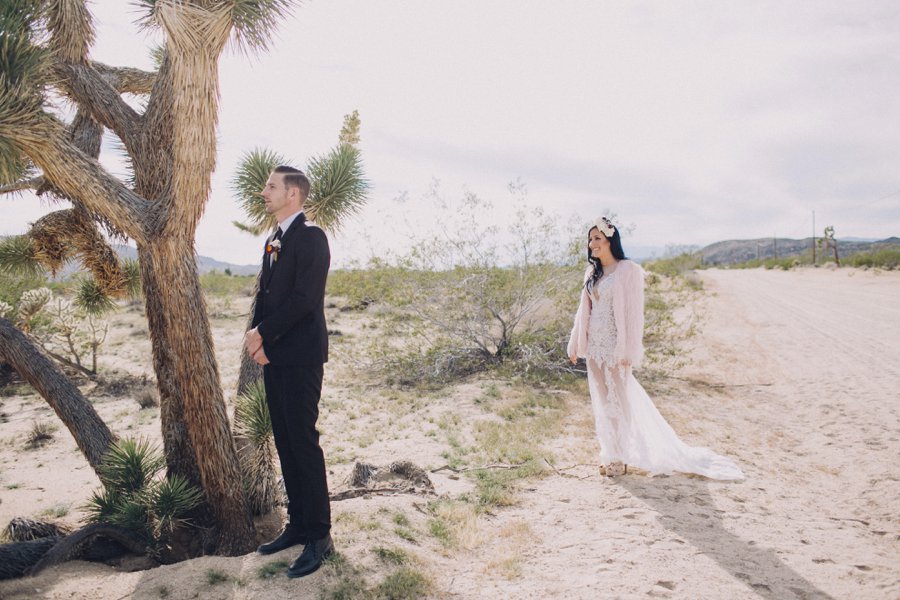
(260, 357)
(253, 341)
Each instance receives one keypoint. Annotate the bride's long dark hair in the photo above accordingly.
(615, 246)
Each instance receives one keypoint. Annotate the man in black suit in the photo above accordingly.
(290, 339)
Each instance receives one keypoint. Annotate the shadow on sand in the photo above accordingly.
(686, 508)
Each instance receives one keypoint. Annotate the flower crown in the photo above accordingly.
(605, 226)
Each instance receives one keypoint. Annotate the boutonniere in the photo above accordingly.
(273, 248)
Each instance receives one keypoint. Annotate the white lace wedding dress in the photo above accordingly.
(629, 427)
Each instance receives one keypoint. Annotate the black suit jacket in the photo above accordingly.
(290, 305)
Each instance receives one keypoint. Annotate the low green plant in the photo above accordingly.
(885, 258)
(345, 581)
(676, 266)
(41, 432)
(406, 533)
(219, 284)
(272, 569)
(404, 584)
(215, 576)
(391, 555)
(135, 497)
(57, 511)
(256, 453)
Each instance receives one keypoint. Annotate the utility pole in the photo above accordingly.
(814, 238)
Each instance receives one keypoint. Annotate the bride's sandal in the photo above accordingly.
(614, 469)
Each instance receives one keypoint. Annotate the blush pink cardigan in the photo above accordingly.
(628, 310)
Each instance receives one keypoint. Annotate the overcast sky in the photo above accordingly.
(694, 121)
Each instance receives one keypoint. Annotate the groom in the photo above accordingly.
(290, 339)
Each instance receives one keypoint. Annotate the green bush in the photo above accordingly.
(215, 283)
(135, 498)
(886, 258)
(676, 266)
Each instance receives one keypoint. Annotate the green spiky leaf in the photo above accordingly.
(255, 21)
(172, 498)
(248, 181)
(338, 187)
(130, 464)
(24, 65)
(91, 298)
(103, 504)
(132, 269)
(17, 257)
(251, 414)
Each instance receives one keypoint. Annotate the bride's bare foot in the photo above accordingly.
(603, 471)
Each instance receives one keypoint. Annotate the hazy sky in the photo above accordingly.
(695, 121)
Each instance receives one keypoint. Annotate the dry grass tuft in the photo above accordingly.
(41, 433)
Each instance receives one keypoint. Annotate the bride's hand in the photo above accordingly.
(574, 358)
(625, 363)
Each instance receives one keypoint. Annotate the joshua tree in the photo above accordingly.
(827, 241)
(171, 145)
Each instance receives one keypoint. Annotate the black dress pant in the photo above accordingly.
(292, 392)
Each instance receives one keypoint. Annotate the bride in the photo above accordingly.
(608, 333)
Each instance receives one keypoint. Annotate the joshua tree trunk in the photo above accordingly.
(172, 147)
(183, 350)
(32, 363)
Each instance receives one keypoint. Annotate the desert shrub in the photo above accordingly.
(361, 287)
(676, 266)
(12, 286)
(215, 576)
(134, 495)
(219, 284)
(885, 258)
(41, 432)
(147, 398)
(785, 263)
(403, 584)
(476, 298)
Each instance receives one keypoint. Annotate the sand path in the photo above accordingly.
(795, 375)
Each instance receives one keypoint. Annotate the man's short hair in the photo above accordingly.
(294, 178)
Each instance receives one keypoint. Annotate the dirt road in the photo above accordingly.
(797, 376)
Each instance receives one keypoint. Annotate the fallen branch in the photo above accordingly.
(359, 492)
(484, 468)
(66, 547)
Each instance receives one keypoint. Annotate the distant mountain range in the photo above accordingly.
(205, 264)
(738, 251)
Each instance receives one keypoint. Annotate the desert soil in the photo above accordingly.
(793, 374)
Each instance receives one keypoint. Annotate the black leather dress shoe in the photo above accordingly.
(312, 557)
(289, 537)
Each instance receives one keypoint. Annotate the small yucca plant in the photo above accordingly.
(253, 425)
(130, 465)
(134, 498)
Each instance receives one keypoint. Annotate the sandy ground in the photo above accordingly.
(794, 374)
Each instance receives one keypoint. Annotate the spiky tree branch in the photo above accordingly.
(31, 183)
(90, 89)
(126, 80)
(31, 362)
